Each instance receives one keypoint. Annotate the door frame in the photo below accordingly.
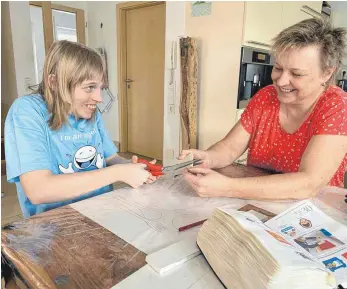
(122, 8)
(47, 7)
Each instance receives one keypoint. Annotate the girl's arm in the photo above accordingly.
(41, 186)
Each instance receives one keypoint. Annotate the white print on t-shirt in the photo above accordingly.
(78, 136)
(84, 158)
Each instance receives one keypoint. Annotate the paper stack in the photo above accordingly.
(247, 254)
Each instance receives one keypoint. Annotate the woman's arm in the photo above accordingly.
(319, 163)
(42, 186)
(224, 152)
(231, 147)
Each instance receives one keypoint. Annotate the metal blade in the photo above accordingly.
(176, 170)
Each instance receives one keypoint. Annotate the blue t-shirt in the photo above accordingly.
(30, 144)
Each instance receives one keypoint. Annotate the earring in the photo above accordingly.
(323, 84)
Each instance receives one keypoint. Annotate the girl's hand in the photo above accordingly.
(151, 178)
(135, 175)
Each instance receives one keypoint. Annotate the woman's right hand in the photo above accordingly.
(198, 154)
(135, 175)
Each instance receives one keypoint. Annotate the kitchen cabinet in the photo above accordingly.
(264, 20)
(296, 11)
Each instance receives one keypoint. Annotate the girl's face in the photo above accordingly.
(297, 75)
(85, 97)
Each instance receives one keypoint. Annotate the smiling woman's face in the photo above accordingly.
(297, 75)
(85, 97)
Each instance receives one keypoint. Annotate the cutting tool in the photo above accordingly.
(168, 172)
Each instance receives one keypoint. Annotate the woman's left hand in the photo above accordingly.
(208, 183)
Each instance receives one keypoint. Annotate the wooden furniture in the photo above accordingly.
(62, 248)
(264, 20)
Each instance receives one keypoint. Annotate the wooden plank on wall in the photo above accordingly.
(47, 24)
(121, 69)
(80, 26)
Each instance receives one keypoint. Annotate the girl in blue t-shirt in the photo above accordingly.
(57, 131)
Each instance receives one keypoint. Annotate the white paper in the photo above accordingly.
(320, 237)
(194, 274)
(172, 256)
(286, 253)
(149, 217)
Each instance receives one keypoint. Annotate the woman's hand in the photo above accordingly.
(208, 183)
(198, 154)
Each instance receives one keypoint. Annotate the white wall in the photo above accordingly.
(106, 37)
(175, 27)
(339, 19)
(219, 37)
(78, 5)
(8, 72)
(38, 41)
(22, 41)
(22, 45)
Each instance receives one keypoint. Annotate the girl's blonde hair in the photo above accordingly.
(315, 31)
(71, 63)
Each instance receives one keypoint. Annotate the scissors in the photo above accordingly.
(171, 171)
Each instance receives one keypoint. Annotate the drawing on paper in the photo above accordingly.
(318, 241)
(305, 223)
(288, 230)
(153, 212)
(334, 264)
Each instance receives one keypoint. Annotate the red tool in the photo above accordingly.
(170, 172)
(155, 169)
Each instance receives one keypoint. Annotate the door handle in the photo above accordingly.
(308, 9)
(128, 81)
(259, 43)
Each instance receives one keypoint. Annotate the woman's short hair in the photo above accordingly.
(71, 63)
(319, 32)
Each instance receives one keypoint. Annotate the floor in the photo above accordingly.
(10, 209)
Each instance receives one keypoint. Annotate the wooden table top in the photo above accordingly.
(62, 248)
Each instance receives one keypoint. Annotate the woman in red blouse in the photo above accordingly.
(297, 126)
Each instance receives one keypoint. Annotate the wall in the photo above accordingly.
(22, 39)
(22, 46)
(219, 37)
(339, 19)
(78, 5)
(175, 27)
(38, 41)
(106, 37)
(8, 72)
(218, 65)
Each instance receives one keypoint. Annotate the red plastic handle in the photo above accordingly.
(156, 173)
(151, 167)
